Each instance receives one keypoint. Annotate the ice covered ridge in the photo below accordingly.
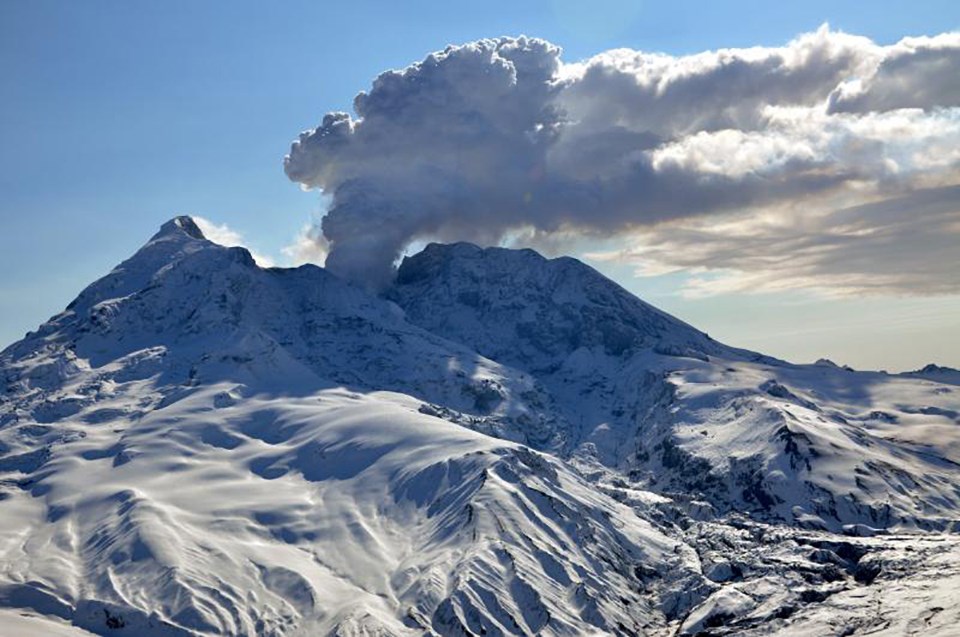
(500, 444)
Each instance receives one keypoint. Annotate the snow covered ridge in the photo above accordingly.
(651, 397)
(501, 444)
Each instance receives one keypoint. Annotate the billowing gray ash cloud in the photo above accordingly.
(452, 146)
(501, 136)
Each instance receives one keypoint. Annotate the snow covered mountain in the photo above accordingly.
(651, 397)
(501, 444)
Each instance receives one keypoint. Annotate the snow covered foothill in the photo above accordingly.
(500, 445)
(286, 512)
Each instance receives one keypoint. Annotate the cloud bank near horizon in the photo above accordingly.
(831, 162)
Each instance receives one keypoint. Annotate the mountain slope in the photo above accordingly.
(531, 312)
(647, 395)
(219, 518)
(505, 445)
(198, 445)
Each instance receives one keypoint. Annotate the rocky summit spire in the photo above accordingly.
(183, 224)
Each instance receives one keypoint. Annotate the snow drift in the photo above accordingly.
(499, 444)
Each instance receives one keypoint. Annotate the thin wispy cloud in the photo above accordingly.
(828, 163)
(309, 246)
(227, 236)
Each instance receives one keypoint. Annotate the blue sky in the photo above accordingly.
(119, 115)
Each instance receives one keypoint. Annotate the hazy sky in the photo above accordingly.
(116, 116)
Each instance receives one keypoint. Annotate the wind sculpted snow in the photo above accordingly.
(648, 395)
(501, 445)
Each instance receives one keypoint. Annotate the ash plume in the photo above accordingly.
(501, 136)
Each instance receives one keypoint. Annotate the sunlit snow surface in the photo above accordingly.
(502, 445)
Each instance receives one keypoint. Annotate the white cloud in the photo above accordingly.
(309, 246)
(226, 236)
(903, 246)
(913, 73)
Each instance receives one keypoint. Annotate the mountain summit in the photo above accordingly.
(498, 444)
(517, 306)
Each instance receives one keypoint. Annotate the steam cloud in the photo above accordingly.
(723, 160)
